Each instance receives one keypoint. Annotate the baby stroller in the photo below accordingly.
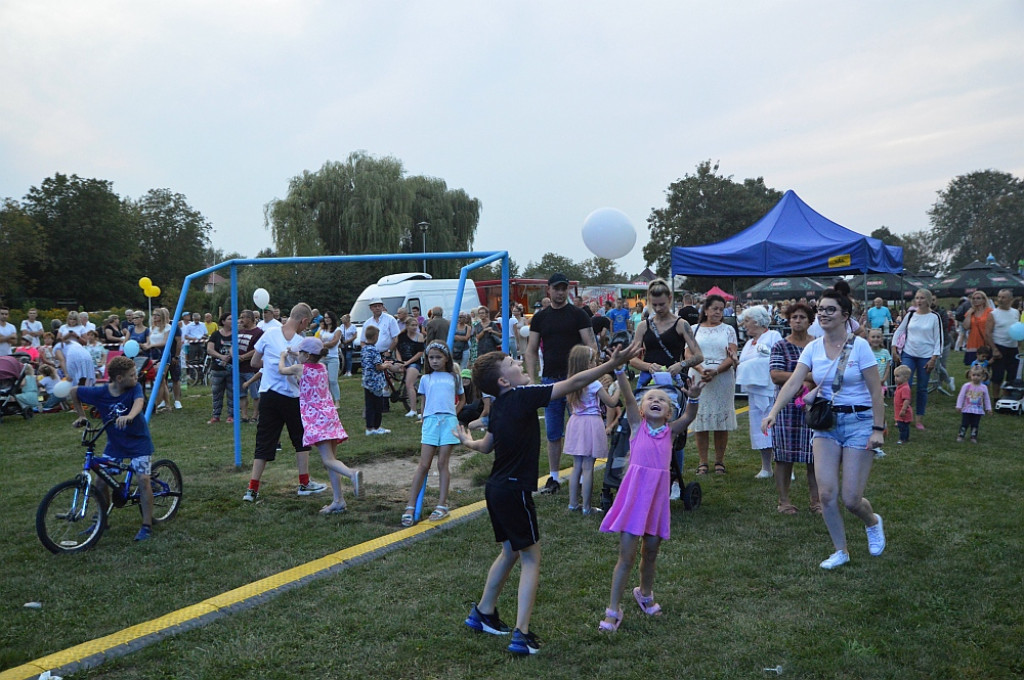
(618, 454)
(11, 372)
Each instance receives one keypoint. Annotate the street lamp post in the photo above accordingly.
(423, 227)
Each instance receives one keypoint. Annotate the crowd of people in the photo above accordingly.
(816, 375)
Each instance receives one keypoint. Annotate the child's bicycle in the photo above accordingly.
(73, 515)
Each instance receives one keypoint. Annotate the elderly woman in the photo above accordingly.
(717, 415)
(846, 374)
(754, 374)
(791, 438)
(918, 343)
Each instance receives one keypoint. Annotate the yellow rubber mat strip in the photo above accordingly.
(94, 652)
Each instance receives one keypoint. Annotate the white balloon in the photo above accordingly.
(62, 389)
(261, 297)
(131, 349)
(524, 332)
(608, 233)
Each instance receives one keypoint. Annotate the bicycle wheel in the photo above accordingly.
(68, 519)
(165, 479)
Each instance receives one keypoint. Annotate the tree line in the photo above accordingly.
(72, 240)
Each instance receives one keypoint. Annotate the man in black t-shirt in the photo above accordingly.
(688, 312)
(513, 434)
(556, 329)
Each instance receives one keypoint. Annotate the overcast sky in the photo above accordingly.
(542, 110)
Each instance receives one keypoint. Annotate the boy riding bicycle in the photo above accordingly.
(122, 399)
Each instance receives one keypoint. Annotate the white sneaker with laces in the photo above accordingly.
(381, 430)
(876, 537)
(836, 559)
(411, 413)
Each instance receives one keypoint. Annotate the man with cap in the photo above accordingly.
(386, 324)
(558, 327)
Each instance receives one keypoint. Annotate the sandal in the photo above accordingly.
(816, 508)
(616, 617)
(439, 513)
(720, 468)
(702, 469)
(407, 519)
(647, 604)
(787, 509)
(333, 509)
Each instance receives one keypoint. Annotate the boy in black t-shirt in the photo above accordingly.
(514, 435)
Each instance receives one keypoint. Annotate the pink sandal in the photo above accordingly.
(647, 604)
(611, 614)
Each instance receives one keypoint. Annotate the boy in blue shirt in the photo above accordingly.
(121, 399)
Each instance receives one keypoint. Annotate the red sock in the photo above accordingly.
(254, 484)
(303, 480)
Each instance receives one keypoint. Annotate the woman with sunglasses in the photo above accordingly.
(858, 421)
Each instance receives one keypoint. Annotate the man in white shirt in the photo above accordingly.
(8, 333)
(84, 324)
(31, 328)
(193, 334)
(279, 402)
(269, 321)
(386, 324)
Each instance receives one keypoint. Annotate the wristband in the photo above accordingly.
(619, 371)
(878, 428)
(692, 401)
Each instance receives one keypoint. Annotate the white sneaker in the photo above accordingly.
(348, 375)
(177, 404)
(411, 414)
(836, 559)
(876, 537)
(675, 493)
(879, 453)
(161, 404)
(381, 430)
(311, 488)
(952, 384)
(371, 432)
(764, 474)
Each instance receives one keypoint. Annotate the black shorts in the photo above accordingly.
(277, 411)
(513, 516)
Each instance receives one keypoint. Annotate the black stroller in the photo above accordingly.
(618, 454)
(12, 369)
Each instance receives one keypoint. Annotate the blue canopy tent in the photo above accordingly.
(792, 239)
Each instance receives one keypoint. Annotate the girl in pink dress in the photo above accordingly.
(320, 423)
(641, 507)
(585, 438)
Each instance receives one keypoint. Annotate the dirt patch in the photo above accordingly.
(398, 472)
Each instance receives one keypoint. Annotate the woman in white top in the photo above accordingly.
(754, 373)
(858, 413)
(331, 336)
(918, 344)
(349, 332)
(159, 335)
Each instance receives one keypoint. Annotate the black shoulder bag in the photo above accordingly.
(820, 415)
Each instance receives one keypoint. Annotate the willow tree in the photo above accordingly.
(369, 205)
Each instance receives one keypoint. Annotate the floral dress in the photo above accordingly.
(319, 417)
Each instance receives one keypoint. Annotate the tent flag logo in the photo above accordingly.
(839, 261)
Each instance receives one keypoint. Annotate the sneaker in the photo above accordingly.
(675, 493)
(348, 375)
(764, 474)
(411, 414)
(382, 430)
(879, 453)
(251, 496)
(162, 404)
(952, 384)
(592, 511)
(177, 404)
(487, 623)
(371, 432)
(876, 537)
(357, 483)
(523, 643)
(213, 421)
(959, 439)
(311, 488)
(550, 487)
(836, 559)
(145, 533)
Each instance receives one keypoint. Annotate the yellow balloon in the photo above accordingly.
(154, 291)
(145, 283)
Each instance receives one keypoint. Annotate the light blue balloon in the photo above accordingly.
(131, 349)
(1017, 331)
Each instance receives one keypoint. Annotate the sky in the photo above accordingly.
(544, 111)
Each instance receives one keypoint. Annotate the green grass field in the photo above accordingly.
(739, 582)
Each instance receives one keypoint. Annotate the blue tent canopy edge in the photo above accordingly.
(792, 239)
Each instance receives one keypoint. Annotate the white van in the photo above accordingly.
(415, 289)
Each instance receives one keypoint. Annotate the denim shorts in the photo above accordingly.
(438, 429)
(554, 414)
(851, 431)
